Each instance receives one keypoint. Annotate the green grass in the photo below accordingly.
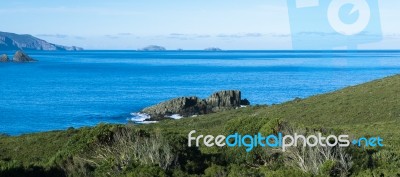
(33, 148)
(370, 109)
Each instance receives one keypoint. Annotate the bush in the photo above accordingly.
(238, 171)
(328, 168)
(215, 171)
(148, 171)
(284, 173)
(258, 156)
(386, 159)
(379, 172)
(30, 171)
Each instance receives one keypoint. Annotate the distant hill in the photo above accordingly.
(11, 41)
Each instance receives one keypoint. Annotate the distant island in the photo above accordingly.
(11, 41)
(213, 49)
(153, 48)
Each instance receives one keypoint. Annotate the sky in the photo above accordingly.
(195, 24)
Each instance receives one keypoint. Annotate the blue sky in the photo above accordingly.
(197, 24)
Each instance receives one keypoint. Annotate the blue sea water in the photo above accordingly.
(84, 88)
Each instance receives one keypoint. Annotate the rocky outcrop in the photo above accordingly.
(189, 106)
(4, 58)
(153, 48)
(224, 100)
(11, 41)
(184, 106)
(21, 57)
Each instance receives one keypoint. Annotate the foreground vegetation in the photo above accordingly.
(371, 109)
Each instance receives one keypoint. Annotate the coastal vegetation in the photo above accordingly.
(370, 109)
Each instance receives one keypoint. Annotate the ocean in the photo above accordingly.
(84, 88)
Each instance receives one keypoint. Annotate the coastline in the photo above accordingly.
(84, 88)
(140, 118)
(338, 111)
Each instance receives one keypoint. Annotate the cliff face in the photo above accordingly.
(11, 41)
(188, 106)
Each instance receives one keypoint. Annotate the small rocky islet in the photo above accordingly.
(4, 58)
(19, 57)
(193, 106)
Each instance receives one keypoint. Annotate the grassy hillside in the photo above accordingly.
(371, 109)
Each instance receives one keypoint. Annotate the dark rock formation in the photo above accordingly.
(223, 100)
(244, 102)
(21, 57)
(11, 41)
(153, 48)
(189, 106)
(4, 58)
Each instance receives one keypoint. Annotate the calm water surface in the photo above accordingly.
(74, 89)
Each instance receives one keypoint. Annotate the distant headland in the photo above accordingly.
(12, 41)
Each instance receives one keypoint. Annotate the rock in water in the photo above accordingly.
(189, 106)
(184, 106)
(4, 58)
(21, 57)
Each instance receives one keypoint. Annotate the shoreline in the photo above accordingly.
(366, 109)
(128, 120)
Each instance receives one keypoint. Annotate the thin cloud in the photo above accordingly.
(53, 35)
(176, 34)
(69, 10)
(241, 35)
(279, 35)
(79, 37)
(203, 36)
(181, 36)
(392, 36)
(253, 35)
(325, 34)
(124, 34)
(229, 36)
(111, 36)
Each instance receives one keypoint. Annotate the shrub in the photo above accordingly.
(115, 150)
(378, 172)
(258, 156)
(237, 170)
(284, 172)
(387, 159)
(148, 171)
(215, 171)
(332, 161)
